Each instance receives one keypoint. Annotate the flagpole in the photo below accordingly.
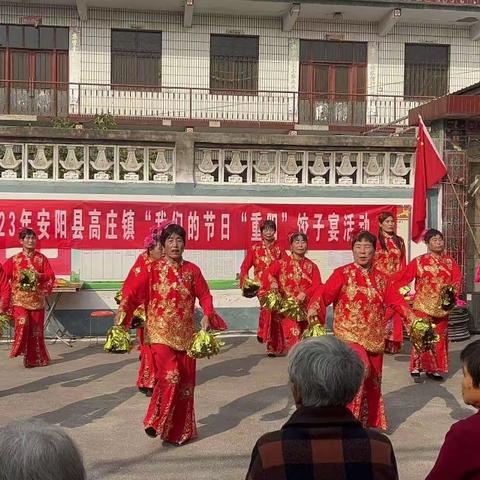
(450, 181)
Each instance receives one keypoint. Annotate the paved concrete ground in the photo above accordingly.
(241, 394)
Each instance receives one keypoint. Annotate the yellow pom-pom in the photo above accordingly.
(250, 288)
(118, 341)
(271, 301)
(314, 330)
(292, 309)
(204, 344)
(4, 322)
(118, 297)
(422, 335)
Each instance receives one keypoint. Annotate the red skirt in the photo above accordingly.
(437, 359)
(171, 410)
(367, 406)
(394, 329)
(282, 333)
(146, 373)
(29, 339)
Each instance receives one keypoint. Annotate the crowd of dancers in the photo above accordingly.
(369, 312)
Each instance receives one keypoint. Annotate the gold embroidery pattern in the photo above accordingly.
(359, 312)
(433, 273)
(28, 300)
(172, 376)
(170, 312)
(388, 261)
(263, 257)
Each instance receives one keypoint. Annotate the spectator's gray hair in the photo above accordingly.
(38, 451)
(325, 372)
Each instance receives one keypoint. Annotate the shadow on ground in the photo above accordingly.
(81, 413)
(69, 379)
(406, 401)
(231, 414)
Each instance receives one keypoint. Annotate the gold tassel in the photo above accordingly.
(250, 288)
(118, 297)
(204, 344)
(28, 280)
(314, 330)
(423, 336)
(139, 318)
(4, 322)
(448, 297)
(118, 340)
(292, 309)
(271, 301)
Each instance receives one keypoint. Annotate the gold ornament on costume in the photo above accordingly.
(250, 288)
(314, 330)
(204, 344)
(4, 322)
(118, 340)
(422, 335)
(448, 297)
(404, 291)
(28, 280)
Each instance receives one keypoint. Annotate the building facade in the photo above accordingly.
(208, 111)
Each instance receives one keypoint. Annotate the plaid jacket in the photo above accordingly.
(325, 443)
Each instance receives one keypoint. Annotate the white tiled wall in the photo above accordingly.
(185, 52)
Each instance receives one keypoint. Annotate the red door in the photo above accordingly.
(332, 94)
(34, 87)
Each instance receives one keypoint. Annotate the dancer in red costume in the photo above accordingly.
(4, 293)
(360, 294)
(154, 251)
(432, 272)
(168, 291)
(260, 256)
(31, 279)
(292, 276)
(390, 258)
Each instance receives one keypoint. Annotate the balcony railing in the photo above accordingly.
(50, 99)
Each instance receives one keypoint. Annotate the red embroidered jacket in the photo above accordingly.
(391, 260)
(431, 273)
(259, 256)
(168, 290)
(38, 263)
(359, 298)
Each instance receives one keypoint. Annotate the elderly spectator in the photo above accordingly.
(458, 458)
(322, 439)
(37, 451)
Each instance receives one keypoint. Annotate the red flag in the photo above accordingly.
(429, 170)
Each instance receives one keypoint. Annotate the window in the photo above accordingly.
(34, 63)
(233, 64)
(426, 70)
(31, 55)
(136, 58)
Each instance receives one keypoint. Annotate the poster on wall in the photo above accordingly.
(89, 224)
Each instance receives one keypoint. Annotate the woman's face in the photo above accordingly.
(174, 247)
(299, 246)
(388, 226)
(156, 252)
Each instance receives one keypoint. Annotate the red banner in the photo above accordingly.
(209, 226)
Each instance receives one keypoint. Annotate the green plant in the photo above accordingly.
(62, 123)
(104, 121)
